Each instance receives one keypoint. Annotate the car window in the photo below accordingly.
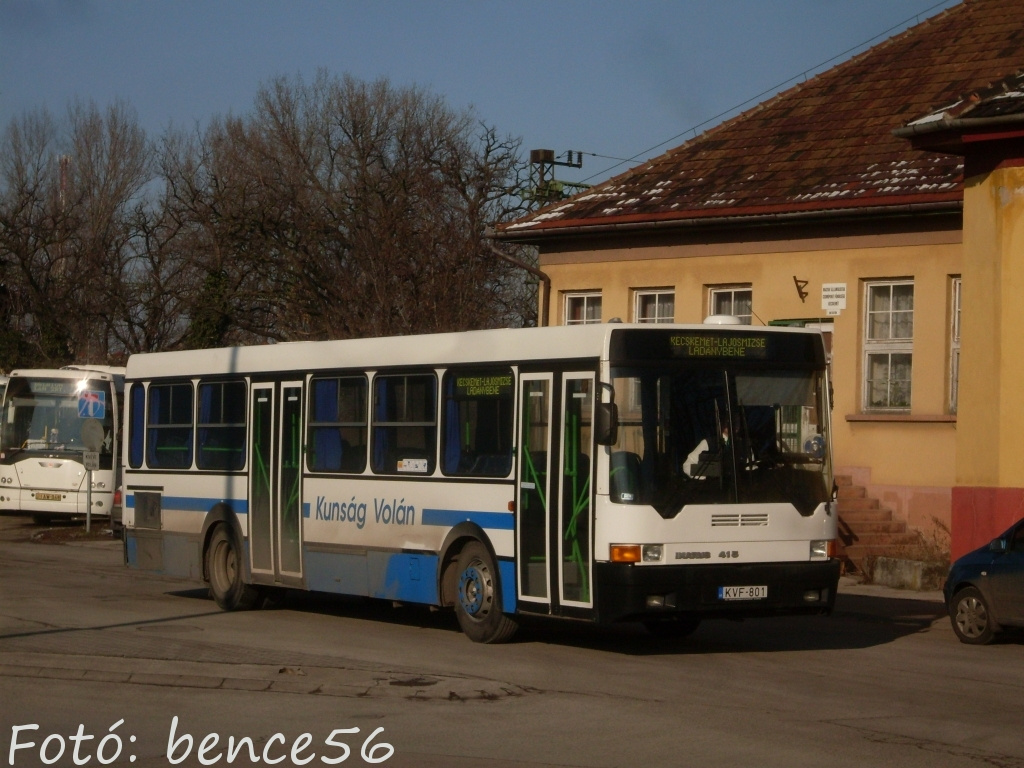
(1017, 540)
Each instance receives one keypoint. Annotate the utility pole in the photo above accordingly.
(545, 188)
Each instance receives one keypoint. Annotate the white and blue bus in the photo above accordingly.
(47, 417)
(662, 474)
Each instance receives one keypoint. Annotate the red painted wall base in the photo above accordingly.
(981, 514)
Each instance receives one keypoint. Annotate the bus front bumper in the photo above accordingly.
(627, 592)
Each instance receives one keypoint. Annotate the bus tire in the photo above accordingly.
(226, 572)
(478, 597)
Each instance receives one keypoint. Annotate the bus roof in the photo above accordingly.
(574, 342)
(105, 372)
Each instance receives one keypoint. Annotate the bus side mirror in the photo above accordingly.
(606, 424)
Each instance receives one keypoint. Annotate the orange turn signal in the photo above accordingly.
(625, 553)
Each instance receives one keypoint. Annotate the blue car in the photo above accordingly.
(984, 591)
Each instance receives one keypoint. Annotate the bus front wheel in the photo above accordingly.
(225, 570)
(478, 601)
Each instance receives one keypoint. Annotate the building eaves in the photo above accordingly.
(993, 112)
(822, 148)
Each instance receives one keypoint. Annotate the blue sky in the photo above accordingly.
(612, 78)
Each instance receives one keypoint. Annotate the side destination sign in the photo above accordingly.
(483, 386)
(704, 345)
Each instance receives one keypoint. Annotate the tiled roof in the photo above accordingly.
(825, 145)
(997, 109)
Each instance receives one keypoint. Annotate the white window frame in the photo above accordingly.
(588, 300)
(889, 342)
(954, 343)
(664, 305)
(718, 291)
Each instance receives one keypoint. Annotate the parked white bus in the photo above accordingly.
(47, 417)
(662, 474)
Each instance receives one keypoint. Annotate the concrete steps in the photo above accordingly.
(867, 529)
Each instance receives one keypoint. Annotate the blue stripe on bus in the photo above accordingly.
(452, 517)
(448, 518)
(391, 576)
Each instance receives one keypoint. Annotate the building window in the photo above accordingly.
(582, 308)
(954, 345)
(737, 301)
(655, 306)
(888, 345)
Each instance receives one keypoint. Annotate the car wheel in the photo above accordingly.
(972, 620)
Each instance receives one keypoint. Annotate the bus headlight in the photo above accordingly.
(653, 553)
(822, 549)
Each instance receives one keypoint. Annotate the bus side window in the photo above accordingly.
(169, 426)
(221, 432)
(478, 422)
(337, 425)
(137, 425)
(405, 424)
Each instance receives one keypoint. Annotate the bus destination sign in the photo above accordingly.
(749, 346)
(483, 386)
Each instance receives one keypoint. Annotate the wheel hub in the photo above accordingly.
(473, 591)
(971, 617)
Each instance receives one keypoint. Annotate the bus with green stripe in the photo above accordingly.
(662, 474)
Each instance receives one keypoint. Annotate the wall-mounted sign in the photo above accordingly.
(833, 297)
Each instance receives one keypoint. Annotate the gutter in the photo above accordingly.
(763, 219)
(956, 124)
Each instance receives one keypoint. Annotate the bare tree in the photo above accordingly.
(34, 238)
(352, 209)
(333, 209)
(66, 194)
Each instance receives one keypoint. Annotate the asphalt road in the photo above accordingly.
(86, 644)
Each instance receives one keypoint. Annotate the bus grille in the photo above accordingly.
(739, 519)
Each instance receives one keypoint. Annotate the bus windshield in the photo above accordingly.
(46, 416)
(712, 435)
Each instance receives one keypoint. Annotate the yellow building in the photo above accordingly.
(809, 209)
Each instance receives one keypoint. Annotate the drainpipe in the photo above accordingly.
(544, 280)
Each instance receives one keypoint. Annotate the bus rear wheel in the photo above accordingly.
(478, 601)
(225, 570)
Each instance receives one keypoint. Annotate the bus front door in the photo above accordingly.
(575, 513)
(554, 511)
(533, 497)
(275, 484)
